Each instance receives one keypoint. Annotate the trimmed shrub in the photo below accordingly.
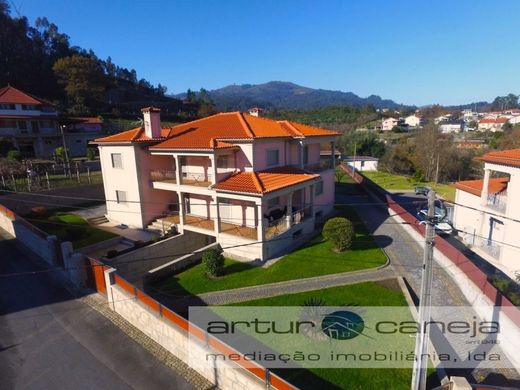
(340, 232)
(213, 262)
(14, 155)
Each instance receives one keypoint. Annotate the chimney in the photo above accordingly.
(255, 111)
(152, 122)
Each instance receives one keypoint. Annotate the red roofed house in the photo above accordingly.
(487, 211)
(255, 185)
(492, 123)
(30, 123)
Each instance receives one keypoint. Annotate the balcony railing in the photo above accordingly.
(200, 222)
(320, 166)
(200, 179)
(491, 248)
(497, 202)
(163, 176)
(279, 226)
(238, 230)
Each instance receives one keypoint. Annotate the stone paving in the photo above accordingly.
(281, 288)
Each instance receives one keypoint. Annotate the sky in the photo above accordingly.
(414, 52)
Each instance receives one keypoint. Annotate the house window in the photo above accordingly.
(273, 202)
(7, 107)
(7, 124)
(28, 107)
(222, 162)
(120, 196)
(319, 188)
(117, 161)
(272, 157)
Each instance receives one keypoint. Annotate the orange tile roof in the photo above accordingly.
(214, 131)
(474, 187)
(263, 182)
(506, 157)
(133, 135)
(501, 119)
(13, 95)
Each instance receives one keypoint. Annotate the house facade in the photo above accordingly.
(413, 121)
(256, 185)
(362, 163)
(388, 124)
(455, 126)
(487, 213)
(29, 123)
(492, 123)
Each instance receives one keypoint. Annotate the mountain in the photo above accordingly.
(286, 95)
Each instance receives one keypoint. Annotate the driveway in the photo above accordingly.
(49, 340)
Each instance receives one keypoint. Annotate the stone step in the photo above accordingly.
(98, 220)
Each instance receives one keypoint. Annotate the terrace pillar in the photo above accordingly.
(180, 195)
(333, 154)
(178, 169)
(289, 210)
(259, 223)
(485, 187)
(217, 217)
(301, 154)
(311, 201)
(213, 162)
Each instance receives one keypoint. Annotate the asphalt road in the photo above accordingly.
(49, 340)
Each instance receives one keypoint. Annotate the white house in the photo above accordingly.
(487, 211)
(388, 124)
(412, 120)
(256, 185)
(362, 163)
(514, 120)
(451, 126)
(492, 123)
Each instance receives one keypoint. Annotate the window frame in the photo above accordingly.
(267, 162)
(318, 189)
(120, 160)
(118, 197)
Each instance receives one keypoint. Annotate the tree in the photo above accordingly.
(340, 231)
(83, 80)
(213, 262)
(362, 143)
(432, 151)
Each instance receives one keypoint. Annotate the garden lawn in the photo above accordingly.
(384, 293)
(70, 227)
(389, 181)
(315, 259)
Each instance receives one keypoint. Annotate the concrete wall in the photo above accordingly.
(178, 342)
(260, 153)
(135, 264)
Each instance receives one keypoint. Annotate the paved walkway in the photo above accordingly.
(406, 257)
(281, 288)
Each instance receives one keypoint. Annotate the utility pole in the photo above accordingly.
(355, 151)
(420, 366)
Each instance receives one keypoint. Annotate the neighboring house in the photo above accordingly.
(30, 123)
(468, 115)
(412, 121)
(470, 144)
(255, 184)
(492, 124)
(515, 119)
(455, 126)
(362, 163)
(442, 118)
(487, 212)
(388, 124)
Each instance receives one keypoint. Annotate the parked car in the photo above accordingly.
(441, 228)
(422, 190)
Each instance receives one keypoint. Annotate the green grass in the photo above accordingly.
(385, 293)
(315, 259)
(390, 181)
(70, 227)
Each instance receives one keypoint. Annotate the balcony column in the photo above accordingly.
(180, 195)
(301, 154)
(311, 200)
(485, 187)
(259, 222)
(177, 159)
(213, 160)
(217, 217)
(289, 210)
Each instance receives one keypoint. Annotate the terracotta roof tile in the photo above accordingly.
(506, 157)
(13, 95)
(263, 182)
(133, 135)
(474, 187)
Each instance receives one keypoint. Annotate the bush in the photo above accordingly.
(14, 155)
(340, 232)
(91, 154)
(213, 262)
(73, 233)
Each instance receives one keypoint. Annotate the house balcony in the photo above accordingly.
(198, 179)
(322, 165)
(247, 232)
(497, 202)
(280, 225)
(163, 176)
(491, 248)
(199, 222)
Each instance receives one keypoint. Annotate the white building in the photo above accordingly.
(412, 120)
(451, 127)
(388, 124)
(492, 123)
(256, 185)
(362, 163)
(487, 212)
